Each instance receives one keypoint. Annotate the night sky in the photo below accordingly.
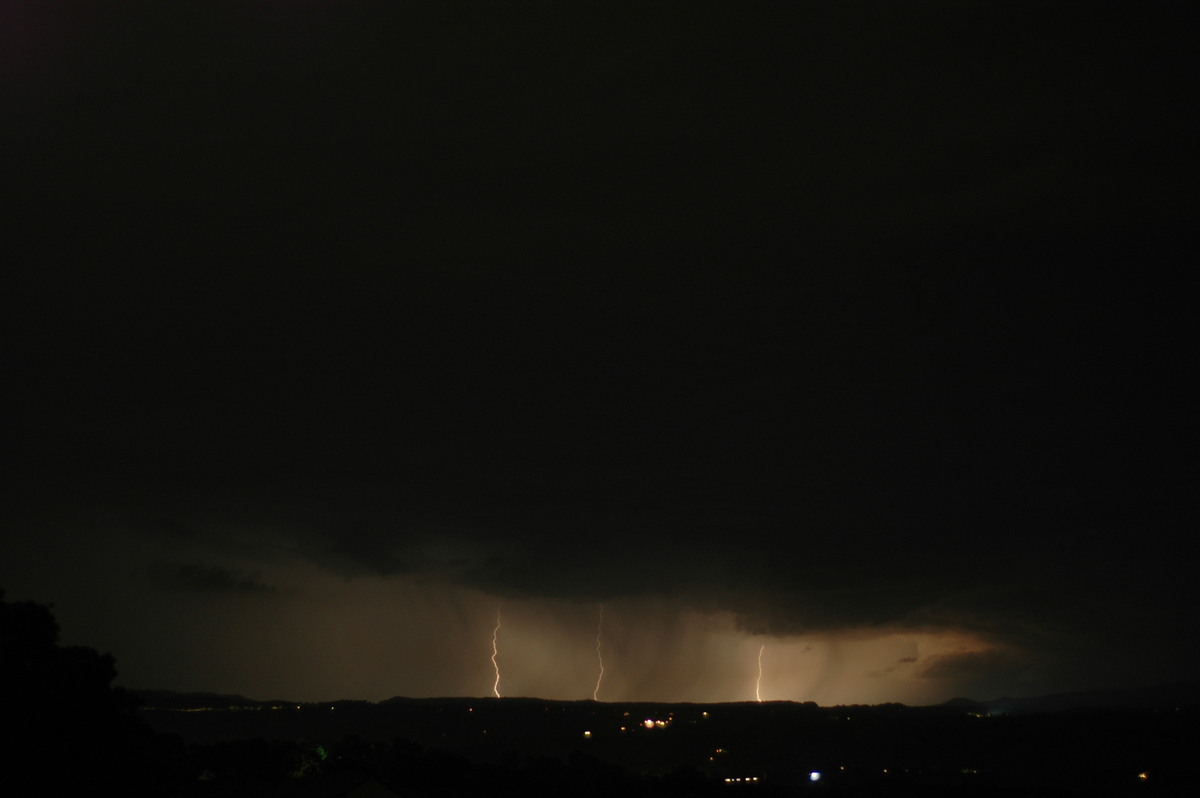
(855, 336)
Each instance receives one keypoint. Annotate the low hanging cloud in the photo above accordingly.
(207, 579)
(970, 666)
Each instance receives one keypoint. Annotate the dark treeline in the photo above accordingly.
(63, 726)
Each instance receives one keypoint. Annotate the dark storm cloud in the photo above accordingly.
(831, 320)
(193, 576)
(974, 665)
(916, 478)
(941, 466)
(781, 137)
(356, 554)
(882, 673)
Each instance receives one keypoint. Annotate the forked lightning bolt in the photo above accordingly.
(599, 655)
(758, 684)
(496, 665)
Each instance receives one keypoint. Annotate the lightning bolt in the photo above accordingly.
(496, 665)
(599, 655)
(758, 684)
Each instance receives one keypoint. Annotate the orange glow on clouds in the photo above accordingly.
(317, 636)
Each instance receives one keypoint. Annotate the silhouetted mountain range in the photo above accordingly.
(1166, 696)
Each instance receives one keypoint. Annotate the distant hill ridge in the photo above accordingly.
(170, 699)
(1168, 696)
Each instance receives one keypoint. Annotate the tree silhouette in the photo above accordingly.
(62, 724)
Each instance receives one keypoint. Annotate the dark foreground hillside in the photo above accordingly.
(538, 747)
